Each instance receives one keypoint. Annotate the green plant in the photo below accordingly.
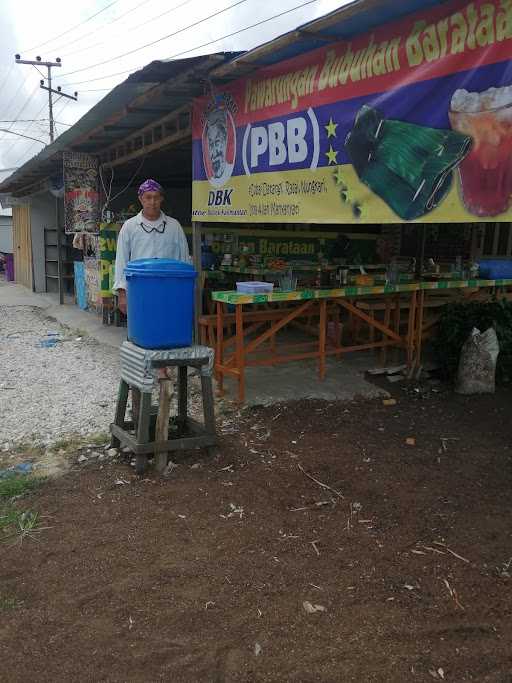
(14, 522)
(17, 485)
(456, 322)
(9, 603)
(20, 523)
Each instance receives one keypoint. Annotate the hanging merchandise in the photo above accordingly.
(81, 196)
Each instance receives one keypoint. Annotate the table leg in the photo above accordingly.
(322, 337)
(219, 353)
(143, 421)
(396, 323)
(387, 321)
(337, 329)
(122, 400)
(411, 326)
(182, 397)
(240, 353)
(208, 404)
(419, 329)
(372, 330)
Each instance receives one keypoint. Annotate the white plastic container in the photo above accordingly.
(254, 287)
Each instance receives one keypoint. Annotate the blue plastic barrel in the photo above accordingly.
(495, 269)
(160, 297)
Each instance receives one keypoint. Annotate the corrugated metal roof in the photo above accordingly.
(146, 95)
(344, 23)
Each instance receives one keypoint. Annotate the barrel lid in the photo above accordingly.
(160, 266)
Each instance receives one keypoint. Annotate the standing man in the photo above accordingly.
(149, 234)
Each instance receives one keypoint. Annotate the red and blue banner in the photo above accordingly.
(412, 122)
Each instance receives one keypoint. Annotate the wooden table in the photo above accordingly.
(301, 303)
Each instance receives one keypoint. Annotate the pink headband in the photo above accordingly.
(150, 186)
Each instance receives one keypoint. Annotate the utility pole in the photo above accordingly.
(49, 65)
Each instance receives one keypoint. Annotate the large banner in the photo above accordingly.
(109, 233)
(412, 122)
(81, 196)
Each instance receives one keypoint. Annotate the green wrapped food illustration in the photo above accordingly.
(410, 167)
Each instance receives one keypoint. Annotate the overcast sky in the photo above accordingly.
(90, 48)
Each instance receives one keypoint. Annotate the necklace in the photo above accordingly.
(159, 228)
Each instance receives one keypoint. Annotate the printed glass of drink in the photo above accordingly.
(486, 172)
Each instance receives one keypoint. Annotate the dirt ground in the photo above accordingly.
(405, 561)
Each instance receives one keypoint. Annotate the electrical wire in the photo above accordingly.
(131, 180)
(28, 137)
(22, 109)
(158, 40)
(197, 47)
(91, 33)
(8, 106)
(9, 72)
(28, 129)
(134, 28)
(81, 23)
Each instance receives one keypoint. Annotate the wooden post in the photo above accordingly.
(162, 421)
(419, 330)
(420, 252)
(198, 292)
(219, 353)
(59, 252)
(387, 322)
(322, 337)
(240, 355)
(410, 330)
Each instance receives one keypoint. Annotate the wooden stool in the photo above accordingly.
(141, 369)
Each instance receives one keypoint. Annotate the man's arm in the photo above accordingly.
(122, 258)
(183, 250)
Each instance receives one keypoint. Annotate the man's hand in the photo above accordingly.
(121, 300)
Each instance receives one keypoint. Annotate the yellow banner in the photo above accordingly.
(334, 194)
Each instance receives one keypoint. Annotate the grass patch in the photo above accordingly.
(66, 444)
(19, 524)
(99, 439)
(29, 450)
(17, 485)
(16, 523)
(7, 603)
(73, 442)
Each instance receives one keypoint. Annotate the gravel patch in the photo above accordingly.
(53, 383)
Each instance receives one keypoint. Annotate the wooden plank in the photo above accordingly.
(240, 353)
(22, 245)
(198, 288)
(371, 321)
(203, 441)
(322, 338)
(162, 422)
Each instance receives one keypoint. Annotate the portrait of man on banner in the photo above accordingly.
(219, 146)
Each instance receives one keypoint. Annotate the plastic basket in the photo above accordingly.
(254, 287)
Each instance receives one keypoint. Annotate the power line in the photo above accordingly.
(197, 47)
(13, 145)
(22, 109)
(81, 23)
(134, 28)
(6, 77)
(6, 109)
(101, 28)
(28, 137)
(95, 90)
(159, 40)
